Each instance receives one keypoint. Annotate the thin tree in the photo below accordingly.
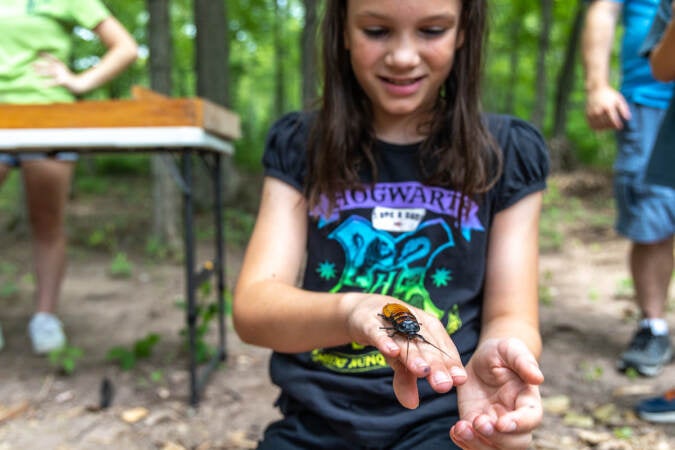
(212, 50)
(308, 46)
(562, 157)
(165, 223)
(279, 58)
(539, 110)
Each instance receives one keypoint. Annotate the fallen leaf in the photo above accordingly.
(240, 440)
(593, 437)
(574, 419)
(557, 404)
(134, 414)
(633, 389)
(172, 446)
(10, 412)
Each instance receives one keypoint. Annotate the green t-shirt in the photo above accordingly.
(31, 27)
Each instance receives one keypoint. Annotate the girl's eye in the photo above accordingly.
(375, 32)
(432, 31)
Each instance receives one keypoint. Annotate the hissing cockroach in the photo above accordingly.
(404, 322)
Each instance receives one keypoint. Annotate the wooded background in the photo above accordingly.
(259, 59)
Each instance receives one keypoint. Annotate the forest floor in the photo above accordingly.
(587, 316)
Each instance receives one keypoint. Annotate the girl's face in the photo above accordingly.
(401, 52)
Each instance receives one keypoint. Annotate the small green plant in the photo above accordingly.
(594, 295)
(155, 248)
(205, 315)
(632, 374)
(128, 358)
(121, 267)
(545, 295)
(591, 372)
(624, 288)
(8, 289)
(65, 358)
(623, 432)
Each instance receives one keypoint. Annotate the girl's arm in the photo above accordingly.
(269, 310)
(511, 305)
(500, 404)
(122, 51)
(662, 56)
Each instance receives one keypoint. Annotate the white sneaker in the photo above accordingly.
(46, 333)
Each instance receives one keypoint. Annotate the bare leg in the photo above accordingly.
(652, 268)
(47, 183)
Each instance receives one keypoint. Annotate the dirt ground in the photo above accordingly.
(587, 315)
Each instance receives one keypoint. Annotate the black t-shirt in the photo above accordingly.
(397, 237)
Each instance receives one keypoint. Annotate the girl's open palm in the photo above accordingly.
(499, 405)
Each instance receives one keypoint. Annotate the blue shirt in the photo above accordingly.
(637, 83)
(661, 168)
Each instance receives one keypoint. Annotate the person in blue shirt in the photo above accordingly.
(645, 212)
(659, 46)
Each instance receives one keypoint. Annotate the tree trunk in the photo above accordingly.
(212, 51)
(309, 67)
(166, 200)
(539, 110)
(514, 62)
(211, 59)
(279, 58)
(562, 157)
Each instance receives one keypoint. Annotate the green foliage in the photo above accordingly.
(156, 249)
(127, 358)
(65, 359)
(591, 372)
(8, 285)
(624, 288)
(545, 295)
(121, 267)
(623, 432)
(206, 314)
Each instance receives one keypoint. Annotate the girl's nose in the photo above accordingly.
(402, 53)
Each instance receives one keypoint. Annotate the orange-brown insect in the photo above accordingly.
(404, 322)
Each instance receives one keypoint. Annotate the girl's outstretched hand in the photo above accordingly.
(410, 359)
(499, 405)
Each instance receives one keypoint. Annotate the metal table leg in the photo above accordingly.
(193, 280)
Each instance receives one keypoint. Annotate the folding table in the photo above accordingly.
(147, 123)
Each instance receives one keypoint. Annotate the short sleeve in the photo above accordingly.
(661, 19)
(84, 13)
(89, 13)
(526, 162)
(285, 149)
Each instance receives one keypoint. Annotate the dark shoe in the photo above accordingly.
(647, 353)
(658, 409)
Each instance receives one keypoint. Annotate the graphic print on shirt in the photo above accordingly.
(394, 253)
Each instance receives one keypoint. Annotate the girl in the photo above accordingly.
(398, 190)
(35, 45)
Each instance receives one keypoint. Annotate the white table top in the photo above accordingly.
(123, 139)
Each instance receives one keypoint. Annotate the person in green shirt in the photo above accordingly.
(35, 46)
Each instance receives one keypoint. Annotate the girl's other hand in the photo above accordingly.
(409, 358)
(56, 73)
(499, 405)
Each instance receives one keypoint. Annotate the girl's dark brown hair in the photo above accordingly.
(458, 152)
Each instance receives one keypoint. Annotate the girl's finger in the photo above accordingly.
(405, 386)
(469, 438)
